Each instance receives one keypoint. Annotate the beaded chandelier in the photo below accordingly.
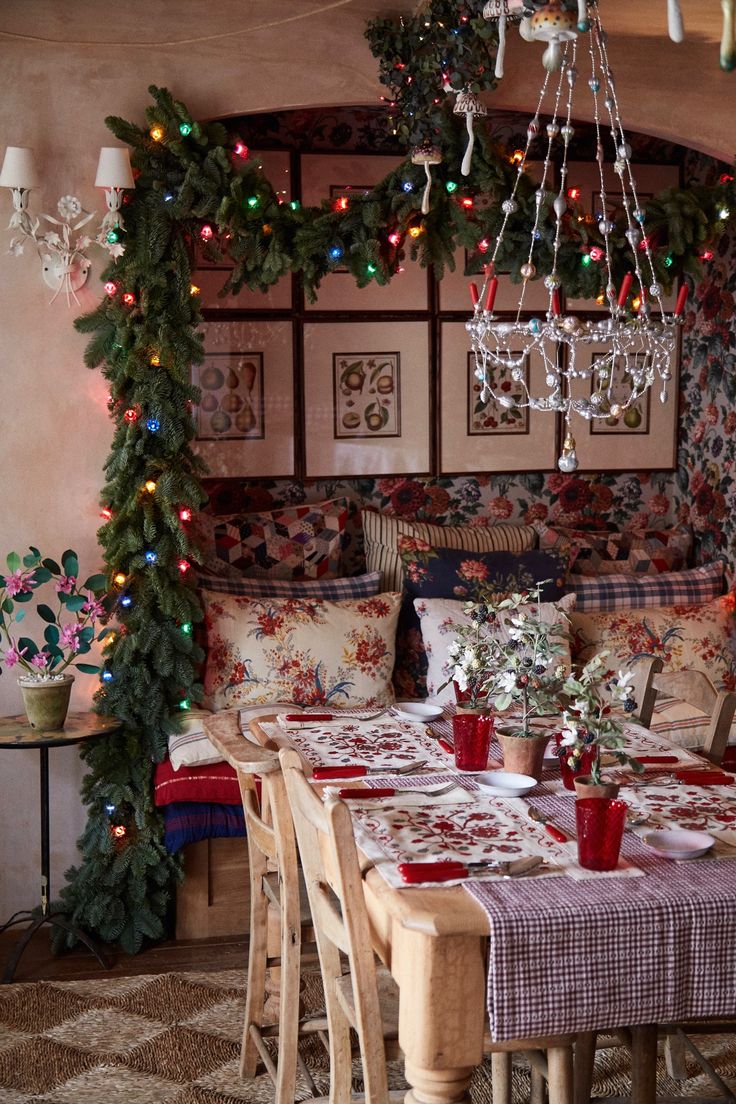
(637, 348)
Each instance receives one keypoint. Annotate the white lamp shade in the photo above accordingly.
(19, 169)
(113, 168)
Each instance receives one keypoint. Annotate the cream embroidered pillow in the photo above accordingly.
(300, 650)
(439, 618)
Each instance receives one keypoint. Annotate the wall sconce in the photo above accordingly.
(63, 248)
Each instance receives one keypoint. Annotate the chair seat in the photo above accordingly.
(388, 996)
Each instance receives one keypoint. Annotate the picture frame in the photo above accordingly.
(644, 443)
(245, 417)
(210, 276)
(650, 180)
(367, 399)
(498, 442)
(336, 176)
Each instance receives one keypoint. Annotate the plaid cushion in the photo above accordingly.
(357, 586)
(601, 593)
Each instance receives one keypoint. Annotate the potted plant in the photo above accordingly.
(509, 656)
(593, 721)
(70, 629)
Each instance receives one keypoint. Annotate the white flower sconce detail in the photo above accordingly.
(63, 246)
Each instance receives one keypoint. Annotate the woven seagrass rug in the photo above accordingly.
(175, 1039)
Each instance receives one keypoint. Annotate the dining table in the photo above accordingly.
(560, 951)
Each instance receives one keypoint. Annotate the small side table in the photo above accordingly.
(15, 732)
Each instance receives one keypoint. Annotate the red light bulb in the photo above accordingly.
(394, 238)
(574, 193)
(111, 287)
(106, 513)
(183, 566)
(483, 245)
(241, 149)
(130, 415)
(185, 514)
(129, 299)
(467, 203)
(342, 203)
(596, 254)
(206, 233)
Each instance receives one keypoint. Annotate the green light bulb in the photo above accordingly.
(669, 261)
(295, 204)
(585, 260)
(187, 628)
(252, 201)
(370, 269)
(112, 237)
(451, 186)
(184, 703)
(185, 129)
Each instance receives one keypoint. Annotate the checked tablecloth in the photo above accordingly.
(569, 956)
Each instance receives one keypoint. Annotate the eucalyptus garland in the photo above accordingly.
(198, 187)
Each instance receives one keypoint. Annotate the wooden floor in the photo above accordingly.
(38, 964)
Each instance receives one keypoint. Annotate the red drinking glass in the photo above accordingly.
(472, 735)
(581, 766)
(600, 824)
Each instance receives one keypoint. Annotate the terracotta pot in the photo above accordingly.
(523, 754)
(46, 702)
(586, 787)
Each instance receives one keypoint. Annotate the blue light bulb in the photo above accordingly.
(110, 809)
(151, 557)
(335, 253)
(408, 186)
(168, 197)
(153, 425)
(107, 677)
(126, 601)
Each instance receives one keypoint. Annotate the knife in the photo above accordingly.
(312, 717)
(646, 760)
(550, 828)
(448, 870)
(360, 770)
(704, 777)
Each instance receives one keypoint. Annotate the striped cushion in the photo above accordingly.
(601, 593)
(683, 724)
(382, 534)
(357, 586)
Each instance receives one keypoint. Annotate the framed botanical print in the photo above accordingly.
(490, 437)
(585, 185)
(210, 276)
(640, 437)
(339, 177)
(366, 399)
(245, 417)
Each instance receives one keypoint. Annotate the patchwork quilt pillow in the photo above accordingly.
(300, 650)
(699, 637)
(383, 534)
(694, 587)
(630, 552)
(439, 618)
(297, 542)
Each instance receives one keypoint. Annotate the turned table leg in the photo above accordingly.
(446, 1086)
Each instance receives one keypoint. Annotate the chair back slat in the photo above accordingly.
(696, 689)
(330, 862)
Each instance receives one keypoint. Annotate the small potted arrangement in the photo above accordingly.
(509, 656)
(45, 681)
(593, 722)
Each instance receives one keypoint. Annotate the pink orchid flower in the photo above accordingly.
(40, 659)
(13, 656)
(69, 637)
(17, 583)
(65, 585)
(94, 608)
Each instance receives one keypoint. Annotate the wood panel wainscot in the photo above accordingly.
(214, 898)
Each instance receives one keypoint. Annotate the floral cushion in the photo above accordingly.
(699, 637)
(439, 617)
(630, 552)
(382, 534)
(695, 587)
(431, 572)
(297, 542)
(301, 650)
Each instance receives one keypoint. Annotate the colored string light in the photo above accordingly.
(371, 269)
(185, 514)
(157, 133)
(183, 566)
(153, 425)
(267, 229)
(414, 231)
(394, 238)
(706, 255)
(185, 129)
(335, 253)
(574, 194)
(484, 245)
(131, 415)
(724, 213)
(151, 557)
(585, 260)
(168, 197)
(106, 513)
(186, 628)
(112, 237)
(467, 203)
(119, 831)
(241, 149)
(129, 299)
(408, 186)
(110, 809)
(184, 703)
(342, 203)
(126, 601)
(150, 486)
(155, 360)
(206, 233)
(111, 287)
(295, 204)
(451, 186)
(669, 261)
(596, 253)
(253, 201)
(120, 579)
(194, 290)
(517, 157)
(107, 677)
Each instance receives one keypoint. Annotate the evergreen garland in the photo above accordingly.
(193, 177)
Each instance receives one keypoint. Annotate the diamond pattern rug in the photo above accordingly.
(175, 1039)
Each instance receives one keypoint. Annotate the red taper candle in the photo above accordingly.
(681, 300)
(556, 303)
(474, 294)
(491, 293)
(623, 294)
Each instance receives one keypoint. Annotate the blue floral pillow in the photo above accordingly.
(431, 572)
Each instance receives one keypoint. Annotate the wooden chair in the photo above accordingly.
(274, 881)
(696, 689)
(367, 999)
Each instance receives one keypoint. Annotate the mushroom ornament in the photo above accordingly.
(469, 105)
(426, 154)
(553, 23)
(502, 10)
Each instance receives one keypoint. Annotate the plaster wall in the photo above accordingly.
(63, 68)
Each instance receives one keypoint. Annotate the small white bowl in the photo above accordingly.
(418, 711)
(679, 843)
(506, 784)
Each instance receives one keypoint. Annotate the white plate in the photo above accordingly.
(418, 711)
(505, 784)
(679, 843)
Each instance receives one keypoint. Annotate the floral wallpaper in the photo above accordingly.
(700, 492)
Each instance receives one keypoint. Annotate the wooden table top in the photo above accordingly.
(15, 732)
